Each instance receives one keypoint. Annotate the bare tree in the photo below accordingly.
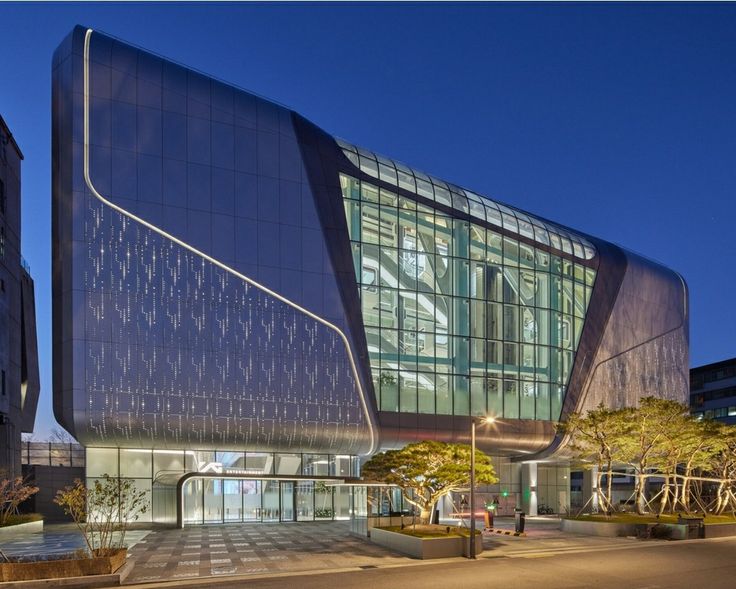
(60, 436)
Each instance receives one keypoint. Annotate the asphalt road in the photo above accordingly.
(645, 565)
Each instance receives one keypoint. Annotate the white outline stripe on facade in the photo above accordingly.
(210, 259)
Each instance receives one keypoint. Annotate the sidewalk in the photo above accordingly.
(265, 550)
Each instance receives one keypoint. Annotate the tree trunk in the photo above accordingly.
(720, 505)
(609, 488)
(685, 491)
(425, 515)
(665, 494)
(599, 491)
(640, 483)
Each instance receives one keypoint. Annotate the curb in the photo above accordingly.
(509, 533)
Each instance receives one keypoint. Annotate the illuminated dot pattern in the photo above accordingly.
(181, 353)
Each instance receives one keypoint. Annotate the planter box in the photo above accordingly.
(606, 529)
(56, 569)
(7, 532)
(719, 530)
(618, 529)
(425, 548)
(383, 521)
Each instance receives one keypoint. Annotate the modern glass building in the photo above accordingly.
(713, 391)
(245, 306)
(20, 385)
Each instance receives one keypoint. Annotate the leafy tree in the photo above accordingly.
(599, 436)
(110, 505)
(700, 444)
(645, 450)
(427, 471)
(724, 470)
(659, 439)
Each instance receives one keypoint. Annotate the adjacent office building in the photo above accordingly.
(19, 380)
(245, 307)
(713, 391)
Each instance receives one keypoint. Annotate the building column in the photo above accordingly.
(590, 489)
(529, 488)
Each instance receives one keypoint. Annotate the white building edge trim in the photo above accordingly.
(210, 259)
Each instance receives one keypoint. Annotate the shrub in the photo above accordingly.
(22, 518)
(13, 492)
(110, 505)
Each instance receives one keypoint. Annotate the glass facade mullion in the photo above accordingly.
(460, 319)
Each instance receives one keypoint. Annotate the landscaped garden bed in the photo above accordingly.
(427, 541)
(665, 526)
(102, 514)
(66, 566)
(21, 524)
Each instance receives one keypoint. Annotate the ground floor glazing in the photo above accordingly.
(190, 487)
(224, 500)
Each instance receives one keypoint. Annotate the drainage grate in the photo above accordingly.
(368, 566)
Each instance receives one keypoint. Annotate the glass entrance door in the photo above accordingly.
(252, 501)
(232, 500)
(305, 500)
(287, 501)
(271, 501)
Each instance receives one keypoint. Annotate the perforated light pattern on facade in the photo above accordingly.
(180, 353)
(460, 319)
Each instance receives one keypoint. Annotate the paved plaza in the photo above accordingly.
(265, 549)
(262, 549)
(232, 549)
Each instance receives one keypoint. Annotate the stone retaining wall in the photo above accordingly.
(425, 548)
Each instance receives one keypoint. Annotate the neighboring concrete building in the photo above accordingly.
(245, 306)
(51, 466)
(713, 391)
(19, 380)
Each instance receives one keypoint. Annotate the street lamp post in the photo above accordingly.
(472, 482)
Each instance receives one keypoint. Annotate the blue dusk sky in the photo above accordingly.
(615, 119)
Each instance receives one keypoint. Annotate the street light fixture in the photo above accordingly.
(489, 419)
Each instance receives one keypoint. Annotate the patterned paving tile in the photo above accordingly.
(252, 549)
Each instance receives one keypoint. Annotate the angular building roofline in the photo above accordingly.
(10, 137)
(712, 365)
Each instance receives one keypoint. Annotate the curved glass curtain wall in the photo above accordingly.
(478, 206)
(460, 319)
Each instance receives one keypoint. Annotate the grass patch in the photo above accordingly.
(21, 518)
(665, 518)
(431, 531)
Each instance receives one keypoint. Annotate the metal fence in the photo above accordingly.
(52, 454)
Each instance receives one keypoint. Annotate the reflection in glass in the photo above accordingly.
(287, 501)
(305, 500)
(461, 319)
(192, 504)
(213, 500)
(233, 500)
(271, 501)
(251, 500)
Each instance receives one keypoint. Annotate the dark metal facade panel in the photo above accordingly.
(644, 350)
(17, 315)
(323, 161)
(611, 270)
(192, 307)
(30, 380)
